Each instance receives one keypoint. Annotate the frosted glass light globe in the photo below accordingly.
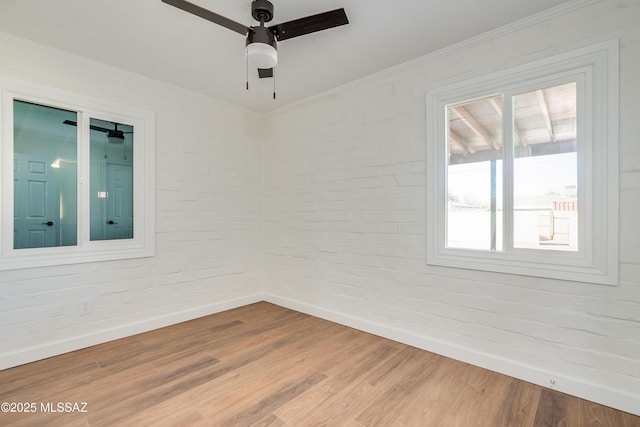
(262, 55)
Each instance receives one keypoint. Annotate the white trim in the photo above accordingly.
(143, 242)
(596, 262)
(616, 398)
(129, 75)
(613, 397)
(38, 352)
(510, 28)
(505, 30)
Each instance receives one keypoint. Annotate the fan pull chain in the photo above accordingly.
(246, 58)
(274, 82)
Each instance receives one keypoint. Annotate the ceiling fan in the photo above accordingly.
(114, 136)
(261, 45)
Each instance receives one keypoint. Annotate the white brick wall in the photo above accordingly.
(208, 220)
(345, 227)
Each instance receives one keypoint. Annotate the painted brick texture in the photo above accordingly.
(345, 218)
(208, 213)
(328, 212)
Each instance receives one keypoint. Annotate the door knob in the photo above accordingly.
(48, 223)
(110, 222)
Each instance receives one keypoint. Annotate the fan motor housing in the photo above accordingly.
(262, 10)
(261, 35)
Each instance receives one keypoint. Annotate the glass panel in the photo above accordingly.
(545, 177)
(474, 175)
(111, 180)
(45, 176)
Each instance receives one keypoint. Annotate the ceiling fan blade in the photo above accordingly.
(92, 127)
(264, 73)
(309, 24)
(208, 15)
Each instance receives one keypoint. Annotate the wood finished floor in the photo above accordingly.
(264, 365)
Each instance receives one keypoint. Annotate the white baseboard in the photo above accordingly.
(615, 398)
(31, 354)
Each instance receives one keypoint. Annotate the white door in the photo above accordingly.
(120, 201)
(35, 206)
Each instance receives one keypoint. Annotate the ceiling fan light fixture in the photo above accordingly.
(261, 45)
(262, 55)
(115, 137)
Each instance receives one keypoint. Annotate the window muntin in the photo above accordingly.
(543, 171)
(75, 115)
(583, 244)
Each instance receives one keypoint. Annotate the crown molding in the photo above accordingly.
(563, 9)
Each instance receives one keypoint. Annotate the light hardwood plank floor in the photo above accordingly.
(264, 365)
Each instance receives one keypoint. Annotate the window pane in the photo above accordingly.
(111, 180)
(545, 178)
(474, 175)
(45, 176)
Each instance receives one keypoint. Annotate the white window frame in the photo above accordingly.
(595, 69)
(143, 242)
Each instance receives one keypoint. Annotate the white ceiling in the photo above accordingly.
(154, 39)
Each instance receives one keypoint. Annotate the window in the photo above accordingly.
(523, 174)
(77, 179)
